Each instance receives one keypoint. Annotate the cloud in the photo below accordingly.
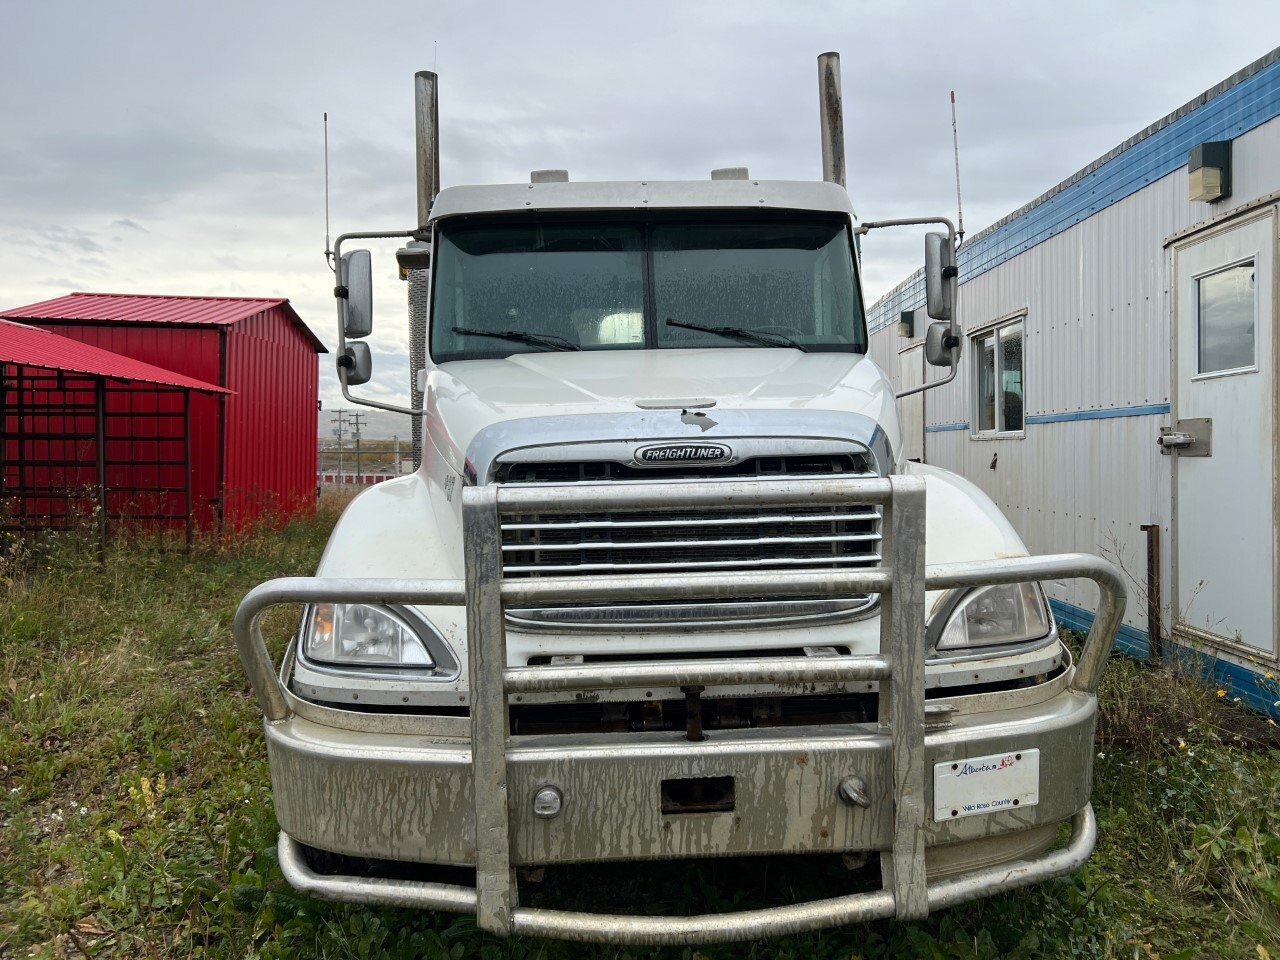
(176, 149)
(60, 239)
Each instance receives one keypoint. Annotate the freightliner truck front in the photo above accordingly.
(664, 585)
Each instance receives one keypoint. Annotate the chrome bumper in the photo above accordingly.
(468, 801)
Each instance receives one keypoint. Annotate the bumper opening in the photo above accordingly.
(730, 713)
(671, 887)
(325, 863)
(719, 713)
(698, 795)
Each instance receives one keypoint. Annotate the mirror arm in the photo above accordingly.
(950, 275)
(342, 337)
(951, 375)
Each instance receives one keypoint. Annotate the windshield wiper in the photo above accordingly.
(550, 341)
(742, 333)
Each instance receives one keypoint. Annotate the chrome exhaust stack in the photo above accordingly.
(427, 105)
(831, 112)
(427, 148)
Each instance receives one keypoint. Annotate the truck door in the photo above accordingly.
(911, 409)
(1224, 412)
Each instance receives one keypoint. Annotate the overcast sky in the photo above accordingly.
(173, 148)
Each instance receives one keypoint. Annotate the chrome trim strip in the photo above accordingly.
(520, 484)
(702, 617)
(658, 544)
(708, 521)
(859, 559)
(735, 427)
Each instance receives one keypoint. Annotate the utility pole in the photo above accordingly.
(396, 440)
(357, 418)
(339, 421)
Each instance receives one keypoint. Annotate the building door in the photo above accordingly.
(911, 409)
(1224, 535)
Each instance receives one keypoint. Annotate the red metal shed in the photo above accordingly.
(252, 451)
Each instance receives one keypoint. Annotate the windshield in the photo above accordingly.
(503, 288)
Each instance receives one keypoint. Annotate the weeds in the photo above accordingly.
(136, 816)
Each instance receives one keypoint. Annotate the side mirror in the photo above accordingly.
(939, 270)
(358, 362)
(357, 302)
(939, 351)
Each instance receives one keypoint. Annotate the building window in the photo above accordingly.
(998, 385)
(1227, 310)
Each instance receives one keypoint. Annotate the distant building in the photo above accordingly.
(252, 449)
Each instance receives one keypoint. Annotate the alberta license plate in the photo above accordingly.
(974, 785)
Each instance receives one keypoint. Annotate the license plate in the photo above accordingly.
(1001, 781)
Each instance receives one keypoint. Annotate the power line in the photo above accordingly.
(357, 418)
(339, 421)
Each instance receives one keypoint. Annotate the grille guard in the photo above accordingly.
(901, 581)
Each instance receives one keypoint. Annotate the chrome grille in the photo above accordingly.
(733, 537)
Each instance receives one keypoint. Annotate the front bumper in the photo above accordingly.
(401, 797)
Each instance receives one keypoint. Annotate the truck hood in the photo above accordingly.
(466, 396)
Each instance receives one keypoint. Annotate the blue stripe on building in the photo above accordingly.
(1250, 103)
(1252, 688)
(1103, 413)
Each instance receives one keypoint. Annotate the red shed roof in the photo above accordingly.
(156, 308)
(33, 347)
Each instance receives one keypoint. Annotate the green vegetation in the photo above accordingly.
(136, 817)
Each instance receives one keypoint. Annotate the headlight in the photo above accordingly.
(997, 615)
(358, 634)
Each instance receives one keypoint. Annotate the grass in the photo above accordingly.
(136, 816)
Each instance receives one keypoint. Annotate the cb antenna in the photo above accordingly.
(328, 250)
(955, 145)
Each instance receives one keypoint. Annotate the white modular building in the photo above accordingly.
(1118, 389)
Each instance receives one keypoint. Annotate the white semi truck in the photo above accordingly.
(664, 585)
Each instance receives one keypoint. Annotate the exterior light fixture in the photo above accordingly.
(907, 324)
(415, 255)
(1209, 171)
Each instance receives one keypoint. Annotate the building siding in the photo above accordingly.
(271, 444)
(1098, 351)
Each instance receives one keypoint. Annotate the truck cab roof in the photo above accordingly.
(805, 195)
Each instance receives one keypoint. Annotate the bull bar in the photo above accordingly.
(901, 580)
